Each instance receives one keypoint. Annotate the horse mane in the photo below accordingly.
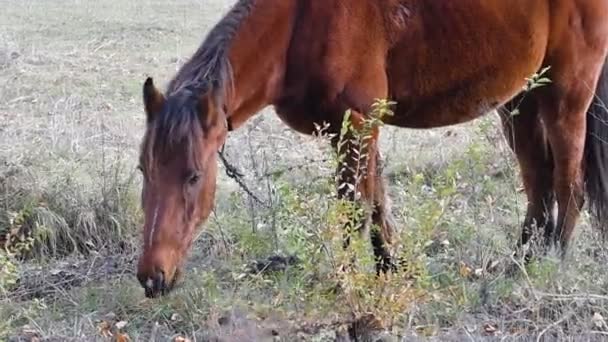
(208, 71)
(210, 63)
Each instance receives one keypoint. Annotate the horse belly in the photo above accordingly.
(467, 64)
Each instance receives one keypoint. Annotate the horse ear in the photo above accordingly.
(153, 99)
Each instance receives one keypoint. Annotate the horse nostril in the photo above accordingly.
(159, 281)
(148, 289)
(154, 284)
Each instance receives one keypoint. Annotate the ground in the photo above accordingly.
(71, 120)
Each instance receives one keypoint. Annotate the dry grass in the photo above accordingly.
(70, 124)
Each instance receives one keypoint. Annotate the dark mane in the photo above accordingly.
(210, 64)
(207, 71)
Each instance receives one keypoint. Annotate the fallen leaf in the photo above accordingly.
(105, 329)
(464, 270)
(120, 337)
(490, 328)
(30, 333)
(56, 272)
(181, 339)
(120, 325)
(492, 266)
(598, 321)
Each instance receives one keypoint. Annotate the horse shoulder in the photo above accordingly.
(397, 14)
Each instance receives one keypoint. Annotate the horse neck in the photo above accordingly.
(257, 56)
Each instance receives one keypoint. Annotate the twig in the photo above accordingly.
(553, 325)
(573, 296)
(468, 334)
(153, 333)
(21, 99)
(103, 45)
(272, 205)
(254, 168)
(221, 231)
(528, 281)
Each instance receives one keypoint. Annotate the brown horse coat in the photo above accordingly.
(443, 61)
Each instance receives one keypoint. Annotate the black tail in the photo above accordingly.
(596, 154)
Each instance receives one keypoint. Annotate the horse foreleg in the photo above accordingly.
(359, 180)
(382, 232)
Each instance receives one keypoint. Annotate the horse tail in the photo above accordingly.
(596, 154)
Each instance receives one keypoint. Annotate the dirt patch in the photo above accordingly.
(54, 279)
(273, 263)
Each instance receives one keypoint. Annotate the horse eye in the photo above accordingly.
(194, 178)
(140, 168)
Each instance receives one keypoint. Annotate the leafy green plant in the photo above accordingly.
(536, 80)
(378, 300)
(8, 272)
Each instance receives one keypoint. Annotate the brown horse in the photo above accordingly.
(443, 61)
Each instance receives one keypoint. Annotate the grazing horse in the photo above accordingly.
(443, 62)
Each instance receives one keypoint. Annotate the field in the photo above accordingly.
(71, 120)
